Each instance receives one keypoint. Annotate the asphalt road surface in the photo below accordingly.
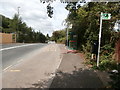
(12, 53)
(37, 64)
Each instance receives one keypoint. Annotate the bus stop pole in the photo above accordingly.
(98, 57)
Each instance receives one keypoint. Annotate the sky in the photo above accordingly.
(34, 14)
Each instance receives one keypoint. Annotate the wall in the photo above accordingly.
(7, 38)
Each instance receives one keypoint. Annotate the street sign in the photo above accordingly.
(106, 16)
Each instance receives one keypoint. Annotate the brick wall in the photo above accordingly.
(7, 38)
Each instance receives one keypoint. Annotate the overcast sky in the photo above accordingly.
(34, 14)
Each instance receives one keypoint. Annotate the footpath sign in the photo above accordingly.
(106, 16)
(103, 16)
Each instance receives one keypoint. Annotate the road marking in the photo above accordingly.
(20, 60)
(15, 70)
(16, 47)
(7, 67)
(12, 65)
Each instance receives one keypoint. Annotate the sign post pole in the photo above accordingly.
(103, 16)
(99, 40)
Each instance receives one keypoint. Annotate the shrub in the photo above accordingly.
(107, 65)
(115, 83)
(107, 50)
(88, 55)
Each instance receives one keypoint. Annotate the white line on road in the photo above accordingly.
(13, 65)
(7, 67)
(20, 60)
(16, 47)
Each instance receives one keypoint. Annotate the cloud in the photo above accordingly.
(34, 14)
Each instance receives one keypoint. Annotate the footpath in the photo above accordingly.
(73, 73)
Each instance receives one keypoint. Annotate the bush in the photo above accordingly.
(115, 83)
(61, 40)
(107, 50)
(88, 55)
(107, 65)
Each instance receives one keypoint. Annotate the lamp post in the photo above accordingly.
(67, 36)
(17, 32)
(18, 11)
(70, 26)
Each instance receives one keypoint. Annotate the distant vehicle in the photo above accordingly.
(51, 42)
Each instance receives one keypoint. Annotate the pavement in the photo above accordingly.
(53, 67)
(72, 73)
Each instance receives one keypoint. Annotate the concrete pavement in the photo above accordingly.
(72, 73)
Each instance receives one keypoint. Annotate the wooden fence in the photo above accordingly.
(117, 51)
(7, 38)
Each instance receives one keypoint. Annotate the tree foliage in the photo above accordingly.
(49, 10)
(86, 19)
(23, 32)
(59, 36)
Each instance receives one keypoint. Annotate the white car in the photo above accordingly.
(51, 42)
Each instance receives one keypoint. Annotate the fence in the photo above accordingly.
(117, 51)
(7, 38)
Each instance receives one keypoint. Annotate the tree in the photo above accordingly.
(59, 36)
(85, 21)
(49, 10)
(24, 33)
(48, 37)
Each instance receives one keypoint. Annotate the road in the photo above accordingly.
(24, 66)
(11, 56)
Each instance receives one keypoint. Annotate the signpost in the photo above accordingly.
(103, 16)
